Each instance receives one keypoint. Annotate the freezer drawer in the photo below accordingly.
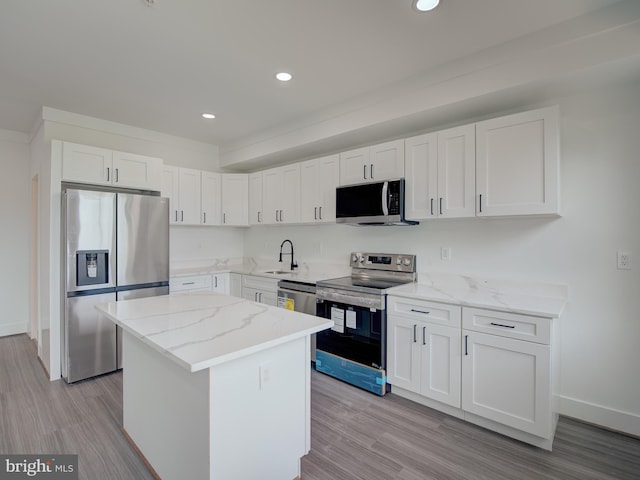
(129, 295)
(89, 339)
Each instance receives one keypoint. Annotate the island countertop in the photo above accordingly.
(199, 331)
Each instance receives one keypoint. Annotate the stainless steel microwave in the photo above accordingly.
(377, 203)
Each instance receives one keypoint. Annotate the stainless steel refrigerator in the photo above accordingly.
(116, 248)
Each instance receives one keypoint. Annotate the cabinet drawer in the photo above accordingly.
(261, 283)
(522, 327)
(439, 313)
(193, 282)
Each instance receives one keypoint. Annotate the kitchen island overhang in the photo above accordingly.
(216, 386)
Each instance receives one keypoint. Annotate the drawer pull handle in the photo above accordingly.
(415, 327)
(188, 283)
(419, 311)
(502, 325)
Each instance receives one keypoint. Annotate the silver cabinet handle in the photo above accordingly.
(188, 283)
(281, 216)
(255, 296)
(502, 325)
(420, 311)
(424, 335)
(176, 215)
(480, 203)
(204, 214)
(371, 171)
(224, 218)
(315, 213)
(108, 180)
(117, 176)
(364, 167)
(466, 344)
(215, 281)
(182, 215)
(440, 205)
(431, 206)
(258, 216)
(320, 210)
(415, 328)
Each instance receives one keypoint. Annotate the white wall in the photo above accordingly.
(600, 148)
(15, 198)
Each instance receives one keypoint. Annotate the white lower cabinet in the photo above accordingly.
(221, 283)
(423, 356)
(495, 368)
(260, 289)
(191, 283)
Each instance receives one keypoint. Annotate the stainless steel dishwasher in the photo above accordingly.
(299, 297)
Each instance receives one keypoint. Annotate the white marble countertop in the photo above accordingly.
(202, 330)
(528, 298)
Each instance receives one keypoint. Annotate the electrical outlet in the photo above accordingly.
(624, 260)
(265, 375)
(445, 253)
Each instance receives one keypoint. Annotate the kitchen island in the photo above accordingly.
(216, 387)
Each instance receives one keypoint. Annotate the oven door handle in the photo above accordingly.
(385, 198)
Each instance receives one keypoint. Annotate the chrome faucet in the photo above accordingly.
(294, 264)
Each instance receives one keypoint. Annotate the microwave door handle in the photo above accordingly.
(385, 198)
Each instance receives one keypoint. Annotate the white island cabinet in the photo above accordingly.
(214, 386)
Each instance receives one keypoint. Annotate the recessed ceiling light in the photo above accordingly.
(208, 116)
(284, 76)
(425, 5)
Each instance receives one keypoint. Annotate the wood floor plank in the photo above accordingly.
(355, 435)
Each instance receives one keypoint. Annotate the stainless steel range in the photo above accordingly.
(354, 350)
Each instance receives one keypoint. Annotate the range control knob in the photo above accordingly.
(361, 259)
(399, 261)
(354, 258)
(407, 262)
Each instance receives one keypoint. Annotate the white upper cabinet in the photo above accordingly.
(171, 190)
(235, 199)
(281, 194)
(137, 171)
(318, 181)
(517, 164)
(100, 166)
(256, 214)
(211, 198)
(384, 161)
(189, 201)
(440, 174)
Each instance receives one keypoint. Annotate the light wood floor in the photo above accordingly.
(354, 434)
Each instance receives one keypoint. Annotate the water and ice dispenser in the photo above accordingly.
(92, 267)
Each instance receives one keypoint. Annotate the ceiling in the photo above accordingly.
(160, 67)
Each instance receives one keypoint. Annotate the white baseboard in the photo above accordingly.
(606, 417)
(13, 329)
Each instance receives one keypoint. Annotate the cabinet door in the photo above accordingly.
(290, 199)
(403, 353)
(354, 166)
(235, 284)
(328, 180)
(271, 195)
(221, 283)
(421, 168)
(456, 172)
(211, 195)
(189, 197)
(517, 164)
(256, 214)
(235, 199)
(137, 171)
(171, 190)
(85, 164)
(386, 161)
(507, 381)
(440, 363)
(310, 185)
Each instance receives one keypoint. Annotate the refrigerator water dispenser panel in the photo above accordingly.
(92, 267)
